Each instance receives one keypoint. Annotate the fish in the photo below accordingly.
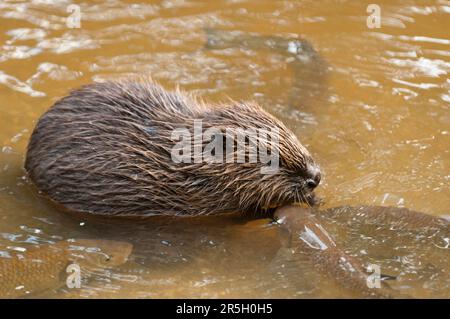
(303, 232)
(411, 245)
(222, 39)
(399, 217)
(46, 266)
(310, 69)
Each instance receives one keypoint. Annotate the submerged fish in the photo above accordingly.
(302, 231)
(221, 39)
(44, 267)
(392, 217)
(412, 246)
(310, 69)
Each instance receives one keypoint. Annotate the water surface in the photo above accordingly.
(380, 128)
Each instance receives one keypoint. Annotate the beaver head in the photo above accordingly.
(111, 148)
(257, 163)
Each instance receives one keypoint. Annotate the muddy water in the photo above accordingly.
(379, 129)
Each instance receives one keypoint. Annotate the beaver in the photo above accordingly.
(107, 149)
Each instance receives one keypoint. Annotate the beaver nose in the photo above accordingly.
(311, 183)
(313, 179)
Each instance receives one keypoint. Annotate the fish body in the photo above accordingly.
(303, 232)
(310, 70)
(299, 48)
(44, 267)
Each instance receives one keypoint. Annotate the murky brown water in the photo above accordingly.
(378, 122)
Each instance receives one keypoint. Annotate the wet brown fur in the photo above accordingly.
(105, 149)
